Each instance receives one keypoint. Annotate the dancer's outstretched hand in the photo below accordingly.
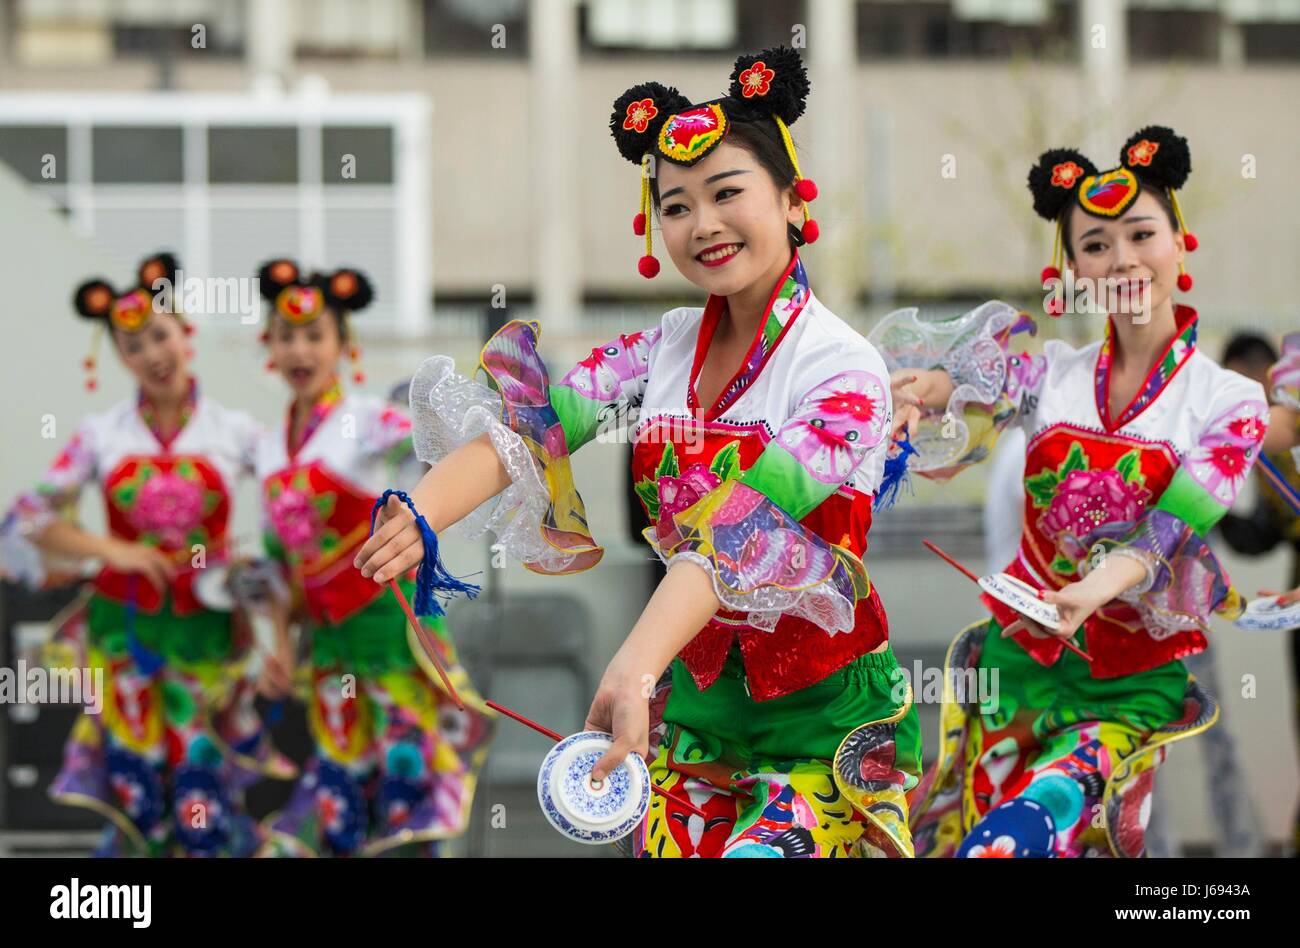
(395, 547)
(1074, 603)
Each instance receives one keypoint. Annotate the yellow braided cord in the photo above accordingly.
(794, 159)
(1178, 211)
(645, 202)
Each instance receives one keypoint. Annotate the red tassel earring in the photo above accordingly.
(89, 363)
(359, 377)
(647, 266)
(1056, 305)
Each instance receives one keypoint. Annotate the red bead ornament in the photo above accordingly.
(270, 365)
(1184, 281)
(806, 188)
(88, 363)
(359, 378)
(264, 337)
(1190, 242)
(648, 267)
(91, 385)
(810, 231)
(189, 329)
(1049, 273)
(638, 225)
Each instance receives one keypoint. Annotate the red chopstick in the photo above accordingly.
(557, 737)
(1068, 643)
(426, 642)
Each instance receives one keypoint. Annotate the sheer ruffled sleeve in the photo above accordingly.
(1285, 375)
(1184, 580)
(55, 496)
(539, 519)
(991, 386)
(745, 531)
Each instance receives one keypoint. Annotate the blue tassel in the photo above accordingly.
(432, 578)
(146, 660)
(895, 473)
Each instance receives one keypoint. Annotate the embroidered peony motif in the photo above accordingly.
(300, 517)
(166, 507)
(678, 493)
(677, 487)
(1079, 500)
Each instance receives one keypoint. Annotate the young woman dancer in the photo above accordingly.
(760, 440)
(396, 762)
(177, 740)
(1138, 444)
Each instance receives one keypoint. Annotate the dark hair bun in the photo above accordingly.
(160, 266)
(1158, 156)
(94, 299)
(345, 289)
(771, 82)
(634, 127)
(275, 275)
(1055, 178)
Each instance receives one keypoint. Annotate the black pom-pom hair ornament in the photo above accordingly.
(652, 121)
(299, 299)
(128, 310)
(1154, 157)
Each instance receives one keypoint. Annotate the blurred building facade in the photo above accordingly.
(924, 120)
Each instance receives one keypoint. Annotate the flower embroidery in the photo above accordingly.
(678, 493)
(756, 80)
(1003, 847)
(295, 520)
(1220, 461)
(1142, 152)
(604, 374)
(639, 115)
(836, 424)
(300, 515)
(1079, 500)
(168, 507)
(1066, 175)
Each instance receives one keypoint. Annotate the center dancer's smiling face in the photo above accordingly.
(724, 220)
(307, 356)
(1141, 244)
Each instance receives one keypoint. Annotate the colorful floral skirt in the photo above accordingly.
(1048, 761)
(176, 739)
(396, 762)
(820, 772)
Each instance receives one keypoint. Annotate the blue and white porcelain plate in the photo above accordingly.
(1265, 615)
(582, 810)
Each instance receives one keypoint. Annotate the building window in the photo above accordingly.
(469, 27)
(136, 154)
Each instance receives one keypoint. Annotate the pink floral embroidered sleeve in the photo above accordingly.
(746, 531)
(1184, 581)
(992, 387)
(55, 495)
